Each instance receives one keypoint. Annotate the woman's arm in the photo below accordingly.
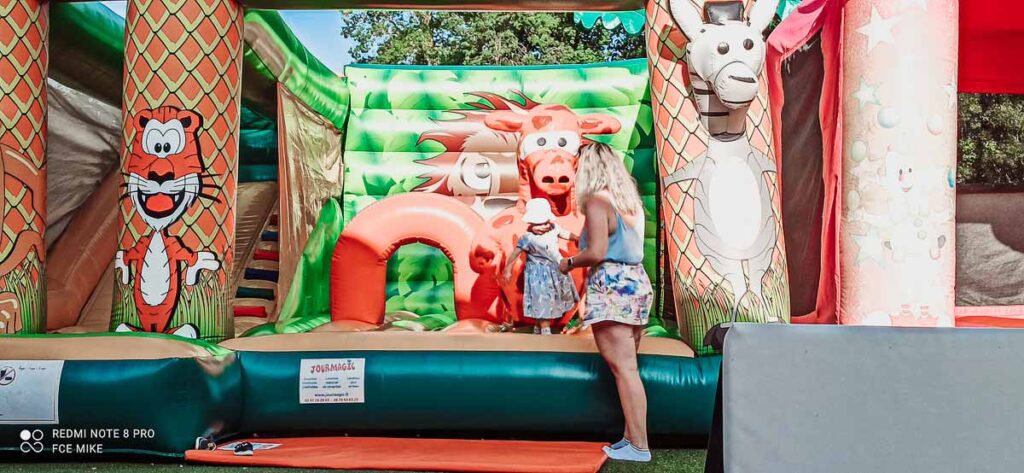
(596, 211)
(566, 234)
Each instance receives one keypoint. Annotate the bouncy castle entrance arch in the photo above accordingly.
(360, 259)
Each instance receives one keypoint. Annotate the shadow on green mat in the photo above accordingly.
(674, 461)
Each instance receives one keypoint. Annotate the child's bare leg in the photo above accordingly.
(545, 327)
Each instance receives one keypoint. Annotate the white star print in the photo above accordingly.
(869, 248)
(866, 93)
(878, 29)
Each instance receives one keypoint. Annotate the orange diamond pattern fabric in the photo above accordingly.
(186, 55)
(701, 298)
(24, 26)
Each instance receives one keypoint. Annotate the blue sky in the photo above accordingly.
(319, 30)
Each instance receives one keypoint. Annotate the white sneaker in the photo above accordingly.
(628, 453)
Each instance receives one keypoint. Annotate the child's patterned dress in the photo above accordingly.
(547, 293)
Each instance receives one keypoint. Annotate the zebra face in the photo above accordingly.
(728, 52)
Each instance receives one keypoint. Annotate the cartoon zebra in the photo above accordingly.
(733, 219)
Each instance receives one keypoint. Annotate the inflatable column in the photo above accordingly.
(181, 119)
(23, 59)
(899, 163)
(719, 269)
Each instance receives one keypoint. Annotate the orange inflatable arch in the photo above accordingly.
(359, 264)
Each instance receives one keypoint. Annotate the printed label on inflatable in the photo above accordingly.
(29, 391)
(331, 381)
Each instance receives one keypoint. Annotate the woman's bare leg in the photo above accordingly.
(618, 348)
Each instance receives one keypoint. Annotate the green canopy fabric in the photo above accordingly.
(284, 59)
(786, 7)
(631, 21)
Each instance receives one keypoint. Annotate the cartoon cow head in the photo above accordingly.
(549, 142)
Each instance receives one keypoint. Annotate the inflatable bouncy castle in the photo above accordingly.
(208, 234)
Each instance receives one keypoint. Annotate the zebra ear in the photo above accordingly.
(762, 13)
(687, 16)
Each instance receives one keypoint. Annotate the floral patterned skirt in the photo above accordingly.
(618, 292)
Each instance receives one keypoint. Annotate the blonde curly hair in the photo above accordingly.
(600, 169)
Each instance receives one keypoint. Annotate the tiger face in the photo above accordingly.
(165, 168)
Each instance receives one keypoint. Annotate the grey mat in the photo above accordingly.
(865, 399)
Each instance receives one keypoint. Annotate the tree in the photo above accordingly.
(991, 126)
(991, 139)
(506, 39)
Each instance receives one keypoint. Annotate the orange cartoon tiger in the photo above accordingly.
(164, 178)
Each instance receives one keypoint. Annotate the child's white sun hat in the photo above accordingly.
(538, 211)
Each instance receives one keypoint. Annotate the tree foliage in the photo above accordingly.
(991, 127)
(505, 39)
(991, 139)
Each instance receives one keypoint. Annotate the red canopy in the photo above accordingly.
(991, 46)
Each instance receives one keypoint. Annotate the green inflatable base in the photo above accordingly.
(479, 393)
(156, 407)
(162, 406)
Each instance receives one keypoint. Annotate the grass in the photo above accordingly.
(674, 461)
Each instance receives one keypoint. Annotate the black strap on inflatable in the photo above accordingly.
(715, 461)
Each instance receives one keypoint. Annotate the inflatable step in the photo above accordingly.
(266, 255)
(268, 306)
(261, 274)
(255, 292)
(250, 311)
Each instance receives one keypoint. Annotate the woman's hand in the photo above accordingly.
(563, 266)
(506, 275)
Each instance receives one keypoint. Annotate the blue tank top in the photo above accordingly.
(626, 245)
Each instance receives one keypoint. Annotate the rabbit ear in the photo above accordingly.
(688, 17)
(762, 13)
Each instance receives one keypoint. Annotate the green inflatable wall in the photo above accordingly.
(396, 142)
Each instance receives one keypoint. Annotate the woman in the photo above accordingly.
(619, 293)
